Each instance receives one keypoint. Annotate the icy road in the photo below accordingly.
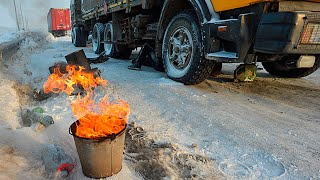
(268, 129)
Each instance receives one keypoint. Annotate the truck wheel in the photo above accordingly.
(182, 52)
(279, 68)
(97, 38)
(84, 37)
(72, 36)
(78, 37)
(116, 51)
(76, 34)
(109, 49)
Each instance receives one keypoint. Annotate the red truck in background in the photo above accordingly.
(59, 21)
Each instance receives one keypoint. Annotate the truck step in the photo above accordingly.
(215, 21)
(222, 56)
(234, 35)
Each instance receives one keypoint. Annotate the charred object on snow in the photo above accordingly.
(39, 95)
(77, 58)
(61, 65)
(100, 59)
(80, 58)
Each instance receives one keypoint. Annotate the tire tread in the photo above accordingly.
(100, 28)
(200, 70)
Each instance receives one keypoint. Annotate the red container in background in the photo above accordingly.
(59, 21)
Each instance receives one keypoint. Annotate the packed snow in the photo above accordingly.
(268, 129)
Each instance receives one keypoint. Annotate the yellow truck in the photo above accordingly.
(192, 38)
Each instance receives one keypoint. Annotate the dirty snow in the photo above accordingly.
(268, 129)
(29, 68)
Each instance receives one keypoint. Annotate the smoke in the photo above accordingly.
(32, 14)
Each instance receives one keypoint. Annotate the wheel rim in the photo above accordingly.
(108, 37)
(180, 49)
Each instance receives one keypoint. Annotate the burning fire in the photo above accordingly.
(96, 119)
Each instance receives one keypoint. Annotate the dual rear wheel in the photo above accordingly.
(102, 40)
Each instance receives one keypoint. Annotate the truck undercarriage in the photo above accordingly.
(191, 37)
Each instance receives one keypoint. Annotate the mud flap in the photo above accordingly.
(245, 73)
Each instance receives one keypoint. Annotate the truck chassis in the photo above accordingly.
(191, 37)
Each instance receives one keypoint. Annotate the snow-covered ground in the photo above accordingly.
(8, 36)
(268, 129)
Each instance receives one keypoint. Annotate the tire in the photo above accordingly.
(187, 64)
(155, 62)
(109, 49)
(97, 38)
(115, 51)
(278, 68)
(72, 36)
(78, 36)
(84, 37)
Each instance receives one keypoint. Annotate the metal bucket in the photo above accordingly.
(100, 157)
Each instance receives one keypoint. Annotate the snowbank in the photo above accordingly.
(8, 36)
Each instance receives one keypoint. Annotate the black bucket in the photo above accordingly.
(101, 157)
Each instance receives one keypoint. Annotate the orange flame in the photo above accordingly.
(96, 119)
(58, 82)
